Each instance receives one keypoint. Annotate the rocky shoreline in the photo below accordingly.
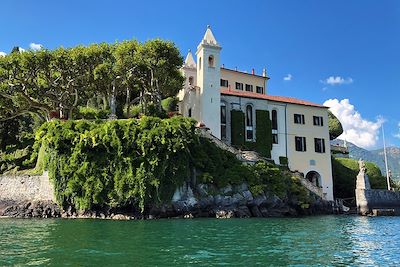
(228, 202)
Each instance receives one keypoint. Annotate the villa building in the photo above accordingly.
(237, 109)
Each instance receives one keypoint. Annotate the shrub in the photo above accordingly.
(90, 113)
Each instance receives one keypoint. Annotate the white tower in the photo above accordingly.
(208, 79)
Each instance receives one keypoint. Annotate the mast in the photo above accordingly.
(386, 163)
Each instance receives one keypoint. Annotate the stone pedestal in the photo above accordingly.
(362, 184)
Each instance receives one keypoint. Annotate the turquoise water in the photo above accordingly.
(325, 240)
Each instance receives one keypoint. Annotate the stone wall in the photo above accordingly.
(19, 188)
(369, 199)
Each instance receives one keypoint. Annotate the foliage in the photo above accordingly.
(90, 113)
(283, 161)
(169, 104)
(59, 81)
(16, 140)
(263, 133)
(263, 143)
(345, 173)
(237, 128)
(335, 127)
(116, 163)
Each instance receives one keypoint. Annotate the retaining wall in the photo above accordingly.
(369, 199)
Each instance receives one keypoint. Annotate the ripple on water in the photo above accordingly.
(325, 240)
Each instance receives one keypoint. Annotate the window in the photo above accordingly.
(190, 112)
(249, 122)
(274, 120)
(319, 144)
(318, 121)
(299, 118)
(199, 63)
(259, 89)
(300, 143)
(249, 87)
(224, 83)
(191, 80)
(239, 86)
(211, 61)
(223, 121)
(275, 138)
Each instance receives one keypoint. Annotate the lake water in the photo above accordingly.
(325, 240)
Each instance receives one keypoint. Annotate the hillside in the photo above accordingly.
(376, 156)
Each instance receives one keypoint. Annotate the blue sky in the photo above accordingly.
(334, 50)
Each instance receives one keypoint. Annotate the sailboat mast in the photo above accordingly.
(386, 163)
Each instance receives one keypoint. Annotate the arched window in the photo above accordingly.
(199, 63)
(191, 80)
(274, 120)
(249, 123)
(223, 121)
(211, 61)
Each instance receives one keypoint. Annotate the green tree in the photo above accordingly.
(159, 64)
(335, 127)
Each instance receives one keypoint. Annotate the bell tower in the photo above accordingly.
(208, 80)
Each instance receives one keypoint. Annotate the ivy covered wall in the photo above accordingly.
(237, 128)
(263, 129)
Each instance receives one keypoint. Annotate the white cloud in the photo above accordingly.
(21, 49)
(332, 80)
(288, 77)
(2, 54)
(34, 46)
(357, 130)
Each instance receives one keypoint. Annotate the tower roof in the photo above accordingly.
(189, 61)
(209, 38)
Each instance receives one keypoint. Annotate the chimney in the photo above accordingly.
(264, 74)
(252, 71)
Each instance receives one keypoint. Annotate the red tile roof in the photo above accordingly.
(283, 99)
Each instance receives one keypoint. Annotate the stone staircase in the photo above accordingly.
(251, 157)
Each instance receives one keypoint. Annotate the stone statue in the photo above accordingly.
(361, 166)
(362, 181)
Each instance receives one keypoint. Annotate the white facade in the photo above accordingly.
(211, 92)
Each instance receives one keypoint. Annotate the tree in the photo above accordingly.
(335, 127)
(159, 62)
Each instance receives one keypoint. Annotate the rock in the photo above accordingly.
(224, 214)
(188, 216)
(247, 195)
(225, 201)
(260, 200)
(255, 212)
(239, 199)
(206, 203)
(264, 212)
(243, 212)
(202, 190)
(120, 217)
(36, 209)
(241, 188)
(226, 190)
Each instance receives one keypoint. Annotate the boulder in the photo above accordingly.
(247, 195)
(224, 214)
(243, 212)
(256, 212)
